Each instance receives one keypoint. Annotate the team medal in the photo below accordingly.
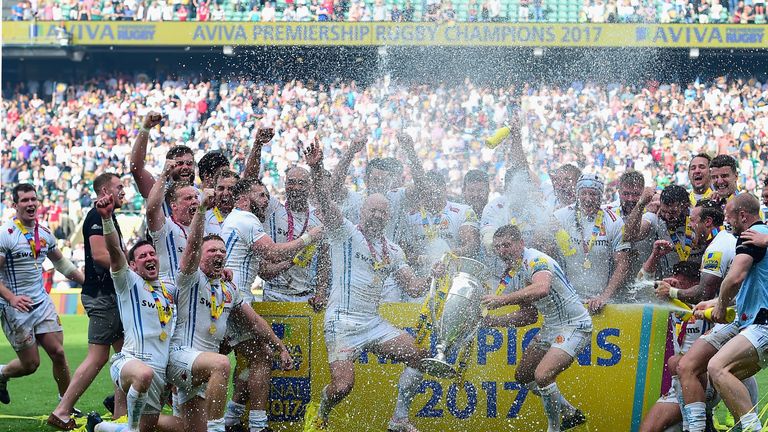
(164, 317)
(588, 245)
(34, 241)
(587, 263)
(217, 307)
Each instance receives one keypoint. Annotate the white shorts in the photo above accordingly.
(180, 374)
(757, 335)
(238, 332)
(569, 339)
(158, 389)
(345, 340)
(669, 397)
(721, 334)
(21, 327)
(275, 296)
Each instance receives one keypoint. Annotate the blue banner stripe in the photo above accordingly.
(642, 367)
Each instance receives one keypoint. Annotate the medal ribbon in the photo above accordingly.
(587, 246)
(34, 241)
(217, 213)
(507, 279)
(377, 265)
(165, 317)
(683, 246)
(431, 228)
(290, 223)
(216, 308)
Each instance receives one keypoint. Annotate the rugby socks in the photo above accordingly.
(234, 413)
(750, 422)
(754, 393)
(111, 427)
(324, 409)
(679, 393)
(257, 420)
(136, 402)
(550, 397)
(697, 416)
(407, 387)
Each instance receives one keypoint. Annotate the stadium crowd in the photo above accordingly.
(595, 11)
(60, 134)
(604, 187)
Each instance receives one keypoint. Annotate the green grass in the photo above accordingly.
(35, 395)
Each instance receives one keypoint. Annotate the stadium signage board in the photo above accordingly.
(84, 33)
(617, 378)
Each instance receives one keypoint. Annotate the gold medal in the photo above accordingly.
(212, 329)
(376, 280)
(163, 335)
(587, 263)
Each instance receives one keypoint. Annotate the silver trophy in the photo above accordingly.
(461, 314)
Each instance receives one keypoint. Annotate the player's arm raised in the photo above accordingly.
(142, 177)
(253, 164)
(190, 259)
(340, 171)
(635, 228)
(155, 216)
(332, 217)
(105, 206)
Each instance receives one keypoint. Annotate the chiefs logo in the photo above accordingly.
(559, 339)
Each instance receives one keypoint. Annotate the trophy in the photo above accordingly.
(456, 313)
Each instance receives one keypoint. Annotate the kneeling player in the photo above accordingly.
(536, 282)
(194, 362)
(149, 317)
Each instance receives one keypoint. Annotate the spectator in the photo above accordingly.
(380, 12)
(217, 13)
(155, 12)
(204, 11)
(289, 14)
(182, 13)
(268, 12)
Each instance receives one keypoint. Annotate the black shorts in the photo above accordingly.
(104, 325)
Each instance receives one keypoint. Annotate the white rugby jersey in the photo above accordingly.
(193, 307)
(297, 280)
(170, 242)
(212, 222)
(23, 272)
(562, 307)
(444, 227)
(589, 279)
(356, 287)
(140, 319)
(719, 255)
(659, 231)
(240, 231)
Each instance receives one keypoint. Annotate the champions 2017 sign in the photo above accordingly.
(617, 378)
(739, 36)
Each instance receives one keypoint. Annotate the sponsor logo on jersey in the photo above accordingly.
(712, 261)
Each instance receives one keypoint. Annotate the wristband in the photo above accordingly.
(673, 293)
(306, 239)
(108, 226)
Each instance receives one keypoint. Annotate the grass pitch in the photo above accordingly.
(34, 397)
